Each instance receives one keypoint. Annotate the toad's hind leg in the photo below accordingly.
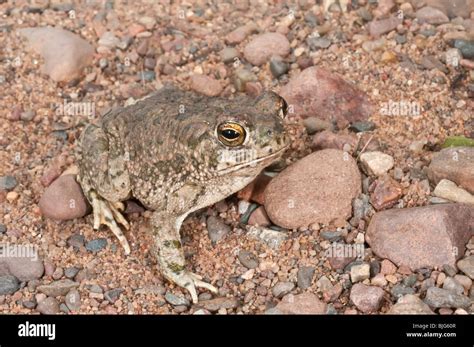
(170, 255)
(105, 181)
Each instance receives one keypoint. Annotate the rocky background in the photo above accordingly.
(372, 210)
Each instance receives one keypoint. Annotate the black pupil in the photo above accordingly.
(230, 134)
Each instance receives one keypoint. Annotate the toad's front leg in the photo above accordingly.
(170, 254)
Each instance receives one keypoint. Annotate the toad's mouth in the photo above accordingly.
(255, 162)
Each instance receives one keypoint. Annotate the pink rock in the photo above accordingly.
(419, 237)
(261, 48)
(431, 15)
(317, 189)
(339, 263)
(316, 92)
(305, 303)
(387, 267)
(254, 191)
(64, 199)
(328, 139)
(239, 34)
(379, 27)
(386, 193)
(368, 299)
(384, 7)
(259, 217)
(65, 53)
(453, 8)
(21, 261)
(206, 85)
(455, 164)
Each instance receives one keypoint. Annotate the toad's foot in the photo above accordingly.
(108, 213)
(190, 281)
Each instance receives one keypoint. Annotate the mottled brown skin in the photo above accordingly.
(166, 152)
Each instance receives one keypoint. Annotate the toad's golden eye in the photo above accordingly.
(231, 134)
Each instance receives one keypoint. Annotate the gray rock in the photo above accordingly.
(278, 67)
(48, 306)
(229, 54)
(146, 75)
(113, 294)
(58, 288)
(217, 228)
(282, 288)
(374, 268)
(437, 297)
(400, 290)
(73, 300)
(401, 39)
(410, 304)
(95, 288)
(362, 126)
(449, 270)
(466, 47)
(3, 229)
(29, 304)
(248, 259)
(63, 308)
(96, 245)
(453, 286)
(7, 182)
(214, 305)
(76, 241)
(71, 272)
(331, 236)
(176, 300)
(466, 265)
(305, 276)
(8, 284)
(410, 280)
(316, 43)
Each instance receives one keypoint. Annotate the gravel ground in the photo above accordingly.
(424, 60)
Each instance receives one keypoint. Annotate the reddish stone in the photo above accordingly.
(419, 237)
(305, 303)
(316, 92)
(386, 193)
(254, 191)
